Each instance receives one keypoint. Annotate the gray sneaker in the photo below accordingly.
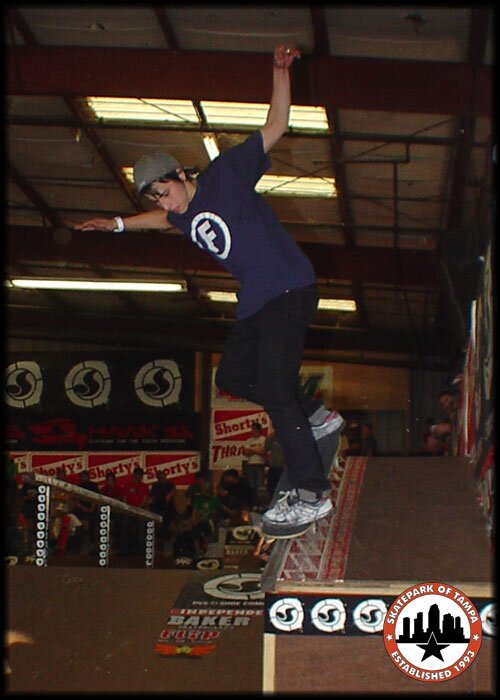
(292, 516)
(332, 423)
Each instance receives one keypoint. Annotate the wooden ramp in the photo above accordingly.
(397, 522)
(94, 631)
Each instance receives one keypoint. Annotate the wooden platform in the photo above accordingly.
(95, 629)
(397, 522)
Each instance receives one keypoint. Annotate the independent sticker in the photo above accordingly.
(432, 632)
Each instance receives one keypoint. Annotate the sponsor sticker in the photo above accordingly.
(432, 632)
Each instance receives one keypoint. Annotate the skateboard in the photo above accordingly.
(328, 448)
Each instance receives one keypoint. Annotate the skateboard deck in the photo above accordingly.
(328, 448)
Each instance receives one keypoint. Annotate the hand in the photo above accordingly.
(283, 56)
(96, 225)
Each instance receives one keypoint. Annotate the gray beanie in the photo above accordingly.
(151, 167)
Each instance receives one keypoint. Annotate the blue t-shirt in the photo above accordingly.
(234, 224)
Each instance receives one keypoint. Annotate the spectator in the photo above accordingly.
(135, 493)
(86, 510)
(65, 531)
(444, 430)
(254, 469)
(369, 446)
(236, 497)
(29, 503)
(431, 444)
(206, 511)
(354, 439)
(112, 489)
(194, 490)
(162, 502)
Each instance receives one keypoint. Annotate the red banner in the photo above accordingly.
(180, 467)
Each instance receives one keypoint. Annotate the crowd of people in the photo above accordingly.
(206, 505)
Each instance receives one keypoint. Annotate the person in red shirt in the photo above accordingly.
(135, 493)
(111, 488)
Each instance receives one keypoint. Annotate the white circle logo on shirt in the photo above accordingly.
(211, 233)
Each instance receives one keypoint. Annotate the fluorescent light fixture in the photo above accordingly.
(282, 185)
(254, 114)
(140, 109)
(227, 297)
(324, 304)
(240, 114)
(337, 305)
(211, 146)
(289, 186)
(97, 285)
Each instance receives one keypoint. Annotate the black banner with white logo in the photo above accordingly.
(113, 401)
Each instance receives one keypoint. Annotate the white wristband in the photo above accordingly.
(119, 225)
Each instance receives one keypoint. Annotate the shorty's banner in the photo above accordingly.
(230, 431)
(180, 467)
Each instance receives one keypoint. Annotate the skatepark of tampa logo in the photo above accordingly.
(432, 632)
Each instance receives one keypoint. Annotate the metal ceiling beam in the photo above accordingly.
(167, 29)
(170, 251)
(23, 28)
(322, 48)
(57, 122)
(344, 82)
(36, 199)
(202, 333)
(476, 48)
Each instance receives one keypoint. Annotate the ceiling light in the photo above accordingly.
(239, 114)
(139, 109)
(253, 114)
(287, 185)
(227, 297)
(97, 285)
(324, 304)
(282, 185)
(337, 305)
(211, 146)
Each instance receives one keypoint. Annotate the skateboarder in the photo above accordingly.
(278, 295)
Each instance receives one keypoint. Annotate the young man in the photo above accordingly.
(278, 296)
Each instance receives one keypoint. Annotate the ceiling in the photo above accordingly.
(408, 93)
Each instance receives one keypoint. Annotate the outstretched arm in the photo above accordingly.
(277, 117)
(154, 219)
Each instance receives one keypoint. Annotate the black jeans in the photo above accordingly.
(261, 363)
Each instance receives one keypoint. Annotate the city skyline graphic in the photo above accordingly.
(451, 630)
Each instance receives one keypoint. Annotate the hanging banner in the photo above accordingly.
(76, 384)
(179, 467)
(232, 417)
(111, 432)
(105, 401)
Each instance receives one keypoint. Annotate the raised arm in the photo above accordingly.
(277, 117)
(154, 219)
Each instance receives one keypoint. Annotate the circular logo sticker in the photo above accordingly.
(432, 632)
(369, 615)
(329, 615)
(287, 614)
(23, 384)
(88, 384)
(235, 587)
(158, 383)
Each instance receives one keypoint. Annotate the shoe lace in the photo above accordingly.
(282, 504)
